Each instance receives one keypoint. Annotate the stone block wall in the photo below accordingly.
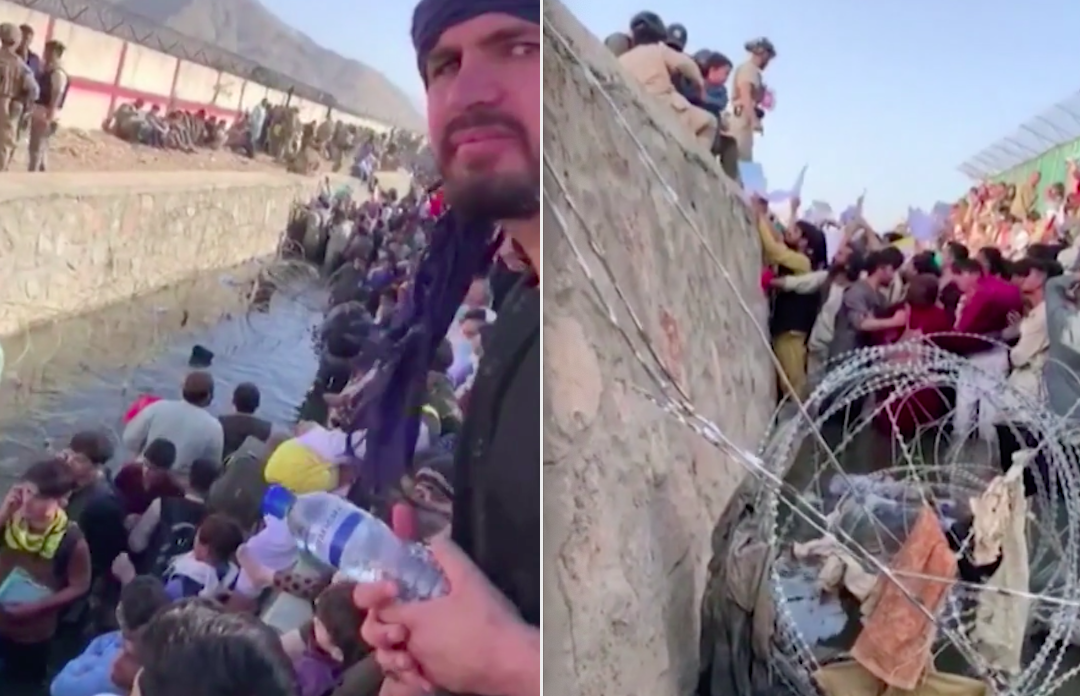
(630, 495)
(74, 243)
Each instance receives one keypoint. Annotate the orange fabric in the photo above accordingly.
(896, 639)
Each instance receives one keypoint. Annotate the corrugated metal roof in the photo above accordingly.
(1056, 126)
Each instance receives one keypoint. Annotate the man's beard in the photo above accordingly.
(492, 196)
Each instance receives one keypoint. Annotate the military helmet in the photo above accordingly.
(647, 26)
(676, 37)
(618, 43)
(761, 45)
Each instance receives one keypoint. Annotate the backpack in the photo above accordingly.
(179, 540)
(180, 518)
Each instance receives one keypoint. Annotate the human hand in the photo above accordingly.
(20, 612)
(123, 569)
(259, 575)
(130, 521)
(125, 668)
(455, 641)
(12, 502)
(1013, 318)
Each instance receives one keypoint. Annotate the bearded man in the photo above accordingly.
(480, 61)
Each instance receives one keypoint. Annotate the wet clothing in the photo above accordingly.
(497, 465)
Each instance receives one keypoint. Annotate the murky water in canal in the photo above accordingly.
(85, 372)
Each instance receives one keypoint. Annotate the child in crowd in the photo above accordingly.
(322, 650)
(207, 570)
(148, 477)
(107, 666)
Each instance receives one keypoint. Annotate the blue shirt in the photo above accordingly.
(90, 674)
(34, 62)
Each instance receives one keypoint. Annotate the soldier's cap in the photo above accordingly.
(9, 33)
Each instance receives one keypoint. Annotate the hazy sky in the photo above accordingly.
(886, 96)
(374, 32)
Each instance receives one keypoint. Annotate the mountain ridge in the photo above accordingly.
(251, 30)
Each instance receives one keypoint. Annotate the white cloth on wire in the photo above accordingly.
(1000, 524)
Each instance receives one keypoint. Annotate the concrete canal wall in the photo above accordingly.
(71, 244)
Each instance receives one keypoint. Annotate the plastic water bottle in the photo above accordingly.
(341, 535)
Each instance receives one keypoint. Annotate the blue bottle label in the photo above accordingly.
(332, 534)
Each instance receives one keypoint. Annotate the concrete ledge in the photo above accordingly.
(71, 243)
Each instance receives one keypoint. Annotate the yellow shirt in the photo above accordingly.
(299, 469)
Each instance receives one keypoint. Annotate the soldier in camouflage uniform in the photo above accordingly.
(17, 85)
(275, 138)
(323, 133)
(341, 145)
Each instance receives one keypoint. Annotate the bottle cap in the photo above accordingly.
(277, 500)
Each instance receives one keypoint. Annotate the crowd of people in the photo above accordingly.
(1013, 216)
(999, 264)
(180, 518)
(1005, 312)
(273, 130)
(156, 547)
(184, 131)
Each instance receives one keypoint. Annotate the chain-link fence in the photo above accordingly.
(130, 26)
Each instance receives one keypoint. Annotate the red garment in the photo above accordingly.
(922, 406)
(986, 312)
(137, 490)
(138, 405)
(767, 275)
(436, 203)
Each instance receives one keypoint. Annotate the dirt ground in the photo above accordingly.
(74, 150)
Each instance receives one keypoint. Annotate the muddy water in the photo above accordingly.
(85, 372)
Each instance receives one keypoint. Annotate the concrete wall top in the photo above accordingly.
(107, 71)
(631, 496)
(73, 243)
